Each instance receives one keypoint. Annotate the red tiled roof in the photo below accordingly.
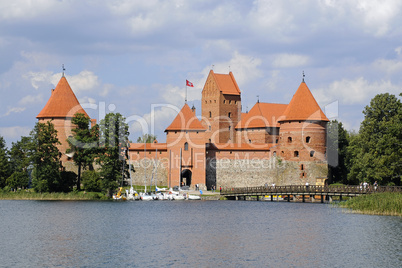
(185, 120)
(303, 106)
(262, 115)
(226, 83)
(149, 146)
(62, 103)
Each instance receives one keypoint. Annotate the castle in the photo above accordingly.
(282, 144)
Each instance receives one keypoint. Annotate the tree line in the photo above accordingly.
(34, 161)
(372, 154)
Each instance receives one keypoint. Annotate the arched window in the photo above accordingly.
(301, 167)
(296, 154)
(229, 115)
(186, 146)
(210, 114)
(312, 153)
(308, 138)
(290, 139)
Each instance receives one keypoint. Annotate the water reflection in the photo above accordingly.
(205, 233)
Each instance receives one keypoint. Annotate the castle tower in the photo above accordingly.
(60, 109)
(221, 107)
(185, 143)
(302, 135)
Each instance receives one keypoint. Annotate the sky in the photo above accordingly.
(134, 56)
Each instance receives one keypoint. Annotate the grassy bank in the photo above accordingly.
(31, 195)
(376, 204)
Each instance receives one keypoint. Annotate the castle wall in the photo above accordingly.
(253, 172)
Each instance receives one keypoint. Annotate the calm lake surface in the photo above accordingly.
(196, 233)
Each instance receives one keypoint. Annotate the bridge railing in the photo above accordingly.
(311, 189)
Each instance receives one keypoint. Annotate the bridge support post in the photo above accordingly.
(272, 197)
(303, 198)
(322, 198)
(288, 197)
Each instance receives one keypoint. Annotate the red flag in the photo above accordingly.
(189, 84)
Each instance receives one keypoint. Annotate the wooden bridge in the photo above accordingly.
(303, 193)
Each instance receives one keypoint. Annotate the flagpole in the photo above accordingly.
(185, 100)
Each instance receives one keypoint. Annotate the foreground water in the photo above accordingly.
(198, 233)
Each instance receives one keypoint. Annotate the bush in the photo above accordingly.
(18, 179)
(91, 181)
(67, 180)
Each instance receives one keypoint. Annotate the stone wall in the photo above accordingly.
(258, 172)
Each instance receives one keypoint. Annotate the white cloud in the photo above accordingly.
(38, 78)
(245, 68)
(23, 9)
(358, 91)
(29, 99)
(14, 110)
(14, 133)
(285, 60)
(84, 81)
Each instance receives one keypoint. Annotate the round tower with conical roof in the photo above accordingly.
(60, 109)
(302, 135)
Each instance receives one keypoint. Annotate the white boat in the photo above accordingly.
(193, 197)
(178, 197)
(145, 197)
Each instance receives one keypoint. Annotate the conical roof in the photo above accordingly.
(62, 103)
(185, 120)
(303, 107)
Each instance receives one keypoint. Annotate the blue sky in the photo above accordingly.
(134, 57)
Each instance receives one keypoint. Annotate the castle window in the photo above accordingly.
(274, 153)
(249, 141)
(296, 153)
(206, 101)
(229, 115)
(276, 141)
(209, 127)
(229, 128)
(308, 139)
(210, 114)
(312, 153)
(185, 146)
(224, 101)
(209, 140)
(289, 139)
(301, 167)
(283, 153)
(230, 102)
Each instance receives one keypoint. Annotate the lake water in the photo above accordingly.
(196, 233)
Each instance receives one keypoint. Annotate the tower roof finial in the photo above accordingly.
(63, 69)
(303, 76)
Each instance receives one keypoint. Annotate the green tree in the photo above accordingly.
(45, 157)
(377, 150)
(113, 138)
(19, 163)
(146, 138)
(4, 163)
(84, 144)
(337, 144)
(91, 181)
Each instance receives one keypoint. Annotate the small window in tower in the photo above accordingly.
(249, 141)
(301, 167)
(296, 154)
(224, 101)
(290, 139)
(229, 115)
(312, 153)
(274, 153)
(230, 102)
(209, 127)
(210, 101)
(210, 114)
(276, 141)
(308, 139)
(230, 152)
(185, 146)
(209, 140)
(235, 101)
(283, 153)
